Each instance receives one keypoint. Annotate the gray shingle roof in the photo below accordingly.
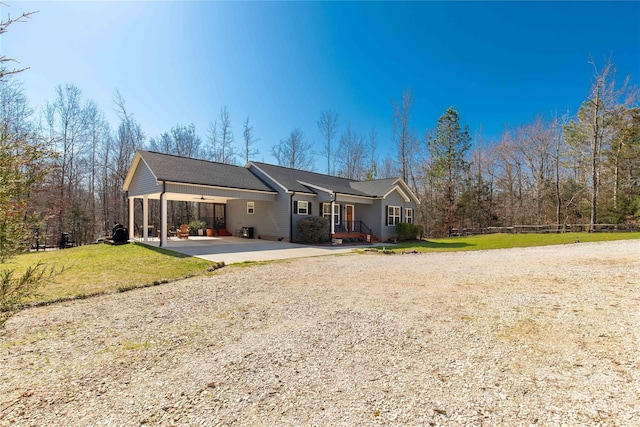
(168, 167)
(172, 168)
(376, 187)
(292, 180)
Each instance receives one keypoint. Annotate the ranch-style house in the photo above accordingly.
(267, 199)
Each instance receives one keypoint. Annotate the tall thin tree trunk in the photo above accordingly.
(595, 143)
(557, 184)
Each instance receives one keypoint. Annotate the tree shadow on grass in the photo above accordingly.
(438, 246)
(164, 251)
(443, 245)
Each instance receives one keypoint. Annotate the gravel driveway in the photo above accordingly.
(543, 336)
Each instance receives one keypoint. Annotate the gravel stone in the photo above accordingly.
(531, 336)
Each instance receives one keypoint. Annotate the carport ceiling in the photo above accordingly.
(184, 197)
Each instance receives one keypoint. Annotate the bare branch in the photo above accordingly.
(3, 29)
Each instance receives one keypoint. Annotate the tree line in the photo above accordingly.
(565, 169)
(581, 169)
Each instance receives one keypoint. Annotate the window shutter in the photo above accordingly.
(295, 207)
(401, 214)
(386, 215)
(309, 207)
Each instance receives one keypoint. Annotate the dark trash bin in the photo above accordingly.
(120, 235)
(116, 226)
(64, 241)
(247, 232)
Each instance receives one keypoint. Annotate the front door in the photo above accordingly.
(219, 217)
(349, 218)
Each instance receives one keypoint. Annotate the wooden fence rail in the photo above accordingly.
(548, 228)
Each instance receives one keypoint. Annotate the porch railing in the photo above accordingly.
(353, 227)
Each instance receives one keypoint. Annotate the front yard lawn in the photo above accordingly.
(95, 269)
(504, 241)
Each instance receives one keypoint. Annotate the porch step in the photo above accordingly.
(354, 235)
(347, 235)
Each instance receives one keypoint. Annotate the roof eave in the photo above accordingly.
(357, 195)
(252, 164)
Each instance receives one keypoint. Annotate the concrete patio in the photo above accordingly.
(232, 250)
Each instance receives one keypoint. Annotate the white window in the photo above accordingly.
(326, 212)
(303, 208)
(250, 208)
(408, 215)
(393, 215)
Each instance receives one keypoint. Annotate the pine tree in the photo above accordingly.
(448, 149)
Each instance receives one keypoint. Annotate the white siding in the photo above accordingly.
(393, 199)
(273, 219)
(269, 219)
(143, 182)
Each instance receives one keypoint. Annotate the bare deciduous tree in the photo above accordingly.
(403, 135)
(328, 123)
(596, 126)
(227, 152)
(4, 25)
(294, 151)
(99, 136)
(388, 170)
(351, 155)
(213, 137)
(372, 154)
(220, 136)
(249, 141)
(67, 121)
(128, 138)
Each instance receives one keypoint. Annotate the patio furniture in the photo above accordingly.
(183, 232)
(170, 232)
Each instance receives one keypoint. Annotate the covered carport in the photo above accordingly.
(165, 177)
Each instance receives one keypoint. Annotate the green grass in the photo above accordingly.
(504, 241)
(97, 269)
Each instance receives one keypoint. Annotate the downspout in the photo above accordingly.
(293, 193)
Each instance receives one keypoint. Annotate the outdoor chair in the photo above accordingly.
(183, 232)
(170, 232)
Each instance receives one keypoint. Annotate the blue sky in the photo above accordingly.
(281, 64)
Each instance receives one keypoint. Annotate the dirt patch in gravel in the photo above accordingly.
(544, 336)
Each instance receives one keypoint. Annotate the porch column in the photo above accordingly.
(163, 219)
(132, 224)
(145, 218)
(333, 222)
